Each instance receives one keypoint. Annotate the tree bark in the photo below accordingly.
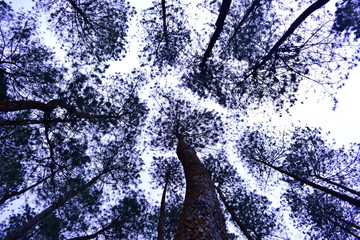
(161, 223)
(351, 200)
(234, 216)
(35, 220)
(224, 9)
(201, 217)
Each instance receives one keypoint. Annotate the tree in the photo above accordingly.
(201, 216)
(93, 31)
(250, 211)
(166, 173)
(77, 135)
(319, 178)
(54, 137)
(166, 27)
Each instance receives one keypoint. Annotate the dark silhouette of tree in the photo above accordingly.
(26, 65)
(255, 63)
(319, 178)
(224, 9)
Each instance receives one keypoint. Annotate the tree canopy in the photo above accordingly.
(97, 146)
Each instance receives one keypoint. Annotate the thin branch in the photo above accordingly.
(17, 193)
(82, 14)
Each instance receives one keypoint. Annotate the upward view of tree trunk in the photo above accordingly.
(338, 185)
(163, 10)
(201, 217)
(90, 118)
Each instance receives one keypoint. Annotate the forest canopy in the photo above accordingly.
(134, 120)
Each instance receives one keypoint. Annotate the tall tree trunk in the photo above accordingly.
(224, 10)
(35, 220)
(161, 223)
(234, 216)
(201, 216)
(343, 228)
(351, 200)
(163, 11)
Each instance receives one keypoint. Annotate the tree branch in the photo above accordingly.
(224, 9)
(312, 8)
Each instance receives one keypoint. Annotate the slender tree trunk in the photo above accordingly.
(338, 185)
(163, 10)
(17, 193)
(351, 200)
(201, 217)
(351, 224)
(234, 216)
(224, 10)
(303, 16)
(343, 228)
(161, 223)
(35, 220)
